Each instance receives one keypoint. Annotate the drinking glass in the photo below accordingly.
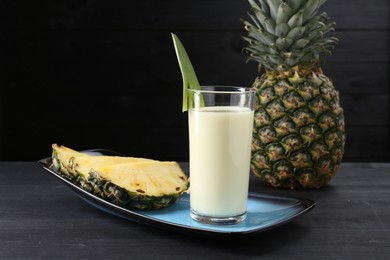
(220, 132)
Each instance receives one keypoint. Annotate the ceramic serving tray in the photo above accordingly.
(264, 212)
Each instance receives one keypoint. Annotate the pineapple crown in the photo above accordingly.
(287, 33)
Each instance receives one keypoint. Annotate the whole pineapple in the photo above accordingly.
(299, 132)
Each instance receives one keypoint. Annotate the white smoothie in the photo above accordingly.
(220, 141)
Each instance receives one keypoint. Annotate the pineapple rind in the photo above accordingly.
(64, 161)
(61, 157)
(152, 178)
(299, 147)
(123, 197)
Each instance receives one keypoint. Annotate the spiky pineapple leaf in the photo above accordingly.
(190, 81)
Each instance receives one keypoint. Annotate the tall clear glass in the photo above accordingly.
(220, 127)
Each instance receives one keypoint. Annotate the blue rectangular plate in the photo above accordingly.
(264, 212)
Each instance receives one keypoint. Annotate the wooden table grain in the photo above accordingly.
(42, 218)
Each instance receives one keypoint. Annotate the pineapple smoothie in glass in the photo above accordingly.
(220, 128)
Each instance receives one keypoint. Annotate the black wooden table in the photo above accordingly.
(41, 218)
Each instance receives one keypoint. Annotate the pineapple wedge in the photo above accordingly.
(82, 165)
(126, 181)
(142, 185)
(152, 178)
(61, 156)
(64, 159)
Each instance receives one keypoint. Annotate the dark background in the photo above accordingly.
(103, 74)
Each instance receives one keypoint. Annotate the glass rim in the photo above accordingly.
(221, 89)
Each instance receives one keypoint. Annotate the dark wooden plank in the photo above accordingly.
(150, 110)
(204, 47)
(78, 49)
(366, 110)
(94, 111)
(72, 79)
(156, 47)
(152, 126)
(359, 78)
(172, 15)
(160, 143)
(359, 15)
(365, 144)
(44, 219)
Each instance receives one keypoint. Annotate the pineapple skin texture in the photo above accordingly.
(299, 130)
(62, 162)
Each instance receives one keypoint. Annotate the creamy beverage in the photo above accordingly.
(220, 141)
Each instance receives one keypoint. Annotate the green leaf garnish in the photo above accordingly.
(190, 81)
